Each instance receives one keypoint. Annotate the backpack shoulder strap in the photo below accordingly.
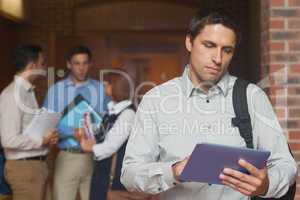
(240, 106)
(243, 122)
(107, 123)
(131, 107)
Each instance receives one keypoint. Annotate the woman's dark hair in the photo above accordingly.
(120, 89)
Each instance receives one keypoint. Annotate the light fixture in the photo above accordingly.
(13, 8)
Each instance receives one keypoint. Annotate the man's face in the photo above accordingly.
(79, 66)
(40, 63)
(35, 66)
(210, 53)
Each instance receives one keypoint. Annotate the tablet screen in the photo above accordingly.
(208, 161)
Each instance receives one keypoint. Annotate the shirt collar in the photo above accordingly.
(110, 106)
(189, 88)
(223, 84)
(24, 83)
(119, 107)
(69, 82)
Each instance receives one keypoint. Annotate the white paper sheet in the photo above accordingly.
(42, 123)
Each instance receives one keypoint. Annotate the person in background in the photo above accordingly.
(25, 169)
(109, 153)
(73, 167)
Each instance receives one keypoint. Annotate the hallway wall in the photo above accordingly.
(8, 41)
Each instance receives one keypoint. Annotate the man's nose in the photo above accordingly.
(82, 67)
(217, 57)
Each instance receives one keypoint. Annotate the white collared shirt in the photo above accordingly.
(119, 133)
(175, 116)
(17, 108)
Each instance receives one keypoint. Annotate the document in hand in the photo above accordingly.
(42, 123)
(208, 161)
(73, 114)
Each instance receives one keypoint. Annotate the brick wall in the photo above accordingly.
(280, 37)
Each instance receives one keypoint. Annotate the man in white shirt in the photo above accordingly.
(25, 169)
(195, 108)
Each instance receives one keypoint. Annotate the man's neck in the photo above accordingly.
(27, 75)
(76, 81)
(198, 83)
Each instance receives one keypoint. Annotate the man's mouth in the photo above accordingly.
(213, 70)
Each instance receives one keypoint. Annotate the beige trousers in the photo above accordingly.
(27, 178)
(72, 174)
(125, 195)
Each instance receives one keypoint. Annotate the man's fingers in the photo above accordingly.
(258, 173)
(238, 183)
(186, 160)
(241, 190)
(242, 176)
(251, 168)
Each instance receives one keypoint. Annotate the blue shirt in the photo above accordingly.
(63, 93)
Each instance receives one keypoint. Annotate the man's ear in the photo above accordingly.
(30, 66)
(68, 65)
(188, 43)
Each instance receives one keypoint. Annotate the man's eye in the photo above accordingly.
(228, 50)
(208, 45)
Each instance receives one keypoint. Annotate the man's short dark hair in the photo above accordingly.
(200, 20)
(25, 54)
(79, 50)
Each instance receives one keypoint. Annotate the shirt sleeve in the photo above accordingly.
(268, 135)
(49, 100)
(116, 136)
(54, 102)
(11, 127)
(103, 98)
(142, 171)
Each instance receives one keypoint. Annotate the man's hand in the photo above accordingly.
(50, 138)
(87, 144)
(255, 184)
(178, 168)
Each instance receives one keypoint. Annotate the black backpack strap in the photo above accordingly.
(240, 106)
(106, 124)
(243, 122)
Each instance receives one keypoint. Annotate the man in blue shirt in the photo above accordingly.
(73, 168)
